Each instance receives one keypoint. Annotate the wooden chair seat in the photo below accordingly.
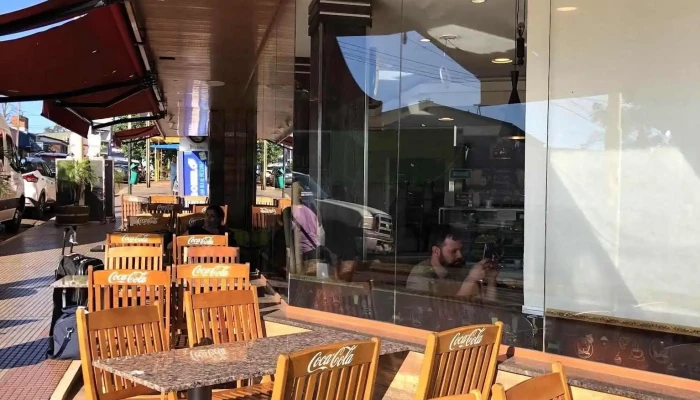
(473, 395)
(262, 391)
(553, 386)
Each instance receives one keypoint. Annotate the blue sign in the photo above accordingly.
(194, 173)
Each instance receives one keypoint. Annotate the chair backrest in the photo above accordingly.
(131, 205)
(213, 277)
(284, 203)
(182, 242)
(138, 258)
(166, 199)
(201, 208)
(264, 217)
(185, 221)
(210, 254)
(163, 208)
(222, 317)
(552, 386)
(340, 371)
(473, 395)
(148, 224)
(264, 201)
(130, 288)
(133, 240)
(189, 201)
(115, 333)
(460, 360)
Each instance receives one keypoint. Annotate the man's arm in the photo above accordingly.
(481, 271)
(417, 281)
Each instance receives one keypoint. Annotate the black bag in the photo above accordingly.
(64, 340)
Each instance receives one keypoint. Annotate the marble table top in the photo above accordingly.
(183, 369)
(71, 282)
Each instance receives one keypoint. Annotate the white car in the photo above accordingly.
(12, 187)
(39, 185)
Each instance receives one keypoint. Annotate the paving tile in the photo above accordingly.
(27, 264)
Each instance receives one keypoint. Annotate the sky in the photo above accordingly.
(31, 110)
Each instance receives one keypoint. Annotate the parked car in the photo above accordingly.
(39, 185)
(348, 224)
(275, 172)
(50, 159)
(12, 193)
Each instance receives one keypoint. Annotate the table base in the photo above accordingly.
(202, 393)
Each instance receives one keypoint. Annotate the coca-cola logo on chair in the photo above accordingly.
(462, 340)
(145, 221)
(135, 277)
(341, 358)
(200, 241)
(217, 271)
(142, 238)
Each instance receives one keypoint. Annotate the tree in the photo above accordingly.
(274, 153)
(55, 129)
(7, 110)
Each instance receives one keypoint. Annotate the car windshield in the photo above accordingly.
(308, 186)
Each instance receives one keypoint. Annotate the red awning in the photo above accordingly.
(135, 134)
(65, 118)
(90, 52)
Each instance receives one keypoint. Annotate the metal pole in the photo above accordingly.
(284, 169)
(148, 163)
(263, 183)
(128, 169)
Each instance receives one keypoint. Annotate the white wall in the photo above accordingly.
(623, 193)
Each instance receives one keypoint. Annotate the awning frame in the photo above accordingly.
(144, 82)
(127, 120)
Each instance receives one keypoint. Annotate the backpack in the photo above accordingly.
(65, 337)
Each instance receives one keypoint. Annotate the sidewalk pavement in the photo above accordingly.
(160, 187)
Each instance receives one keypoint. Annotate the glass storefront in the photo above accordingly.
(531, 162)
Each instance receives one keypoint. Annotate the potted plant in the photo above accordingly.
(74, 177)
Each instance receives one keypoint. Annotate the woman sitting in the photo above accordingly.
(213, 225)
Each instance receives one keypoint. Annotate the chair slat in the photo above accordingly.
(460, 360)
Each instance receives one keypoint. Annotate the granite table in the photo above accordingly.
(70, 282)
(196, 370)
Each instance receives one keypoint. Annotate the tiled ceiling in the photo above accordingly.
(198, 44)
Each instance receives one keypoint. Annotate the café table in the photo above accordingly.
(70, 282)
(196, 370)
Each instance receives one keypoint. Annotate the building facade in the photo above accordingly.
(555, 138)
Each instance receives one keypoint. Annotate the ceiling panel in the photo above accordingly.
(212, 45)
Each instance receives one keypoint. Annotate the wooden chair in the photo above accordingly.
(222, 317)
(115, 333)
(307, 371)
(473, 395)
(130, 288)
(201, 208)
(133, 240)
(264, 201)
(131, 205)
(265, 217)
(552, 386)
(148, 224)
(182, 242)
(204, 278)
(138, 258)
(284, 203)
(210, 254)
(460, 360)
(165, 199)
(185, 221)
(189, 201)
(163, 208)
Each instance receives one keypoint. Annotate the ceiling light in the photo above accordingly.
(423, 125)
(215, 83)
(478, 1)
(565, 9)
(94, 51)
(424, 40)
(501, 60)
(446, 119)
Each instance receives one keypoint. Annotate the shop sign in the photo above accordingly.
(195, 173)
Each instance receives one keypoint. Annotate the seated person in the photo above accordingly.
(444, 274)
(213, 225)
(308, 228)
